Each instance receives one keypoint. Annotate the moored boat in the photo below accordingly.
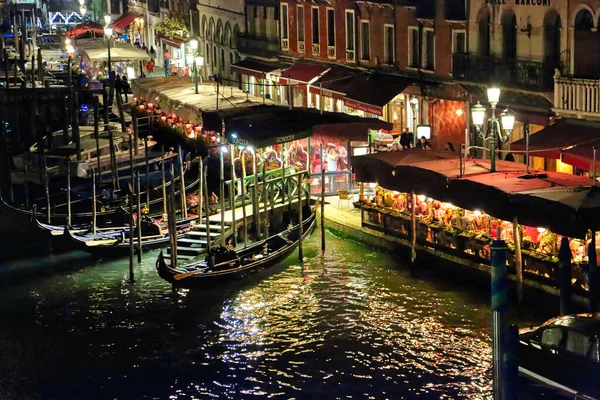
(114, 241)
(230, 265)
(564, 353)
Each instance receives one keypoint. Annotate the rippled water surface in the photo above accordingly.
(349, 324)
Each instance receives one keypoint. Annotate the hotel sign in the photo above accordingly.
(357, 105)
(543, 3)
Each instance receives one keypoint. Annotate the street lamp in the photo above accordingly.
(507, 122)
(82, 8)
(194, 47)
(108, 32)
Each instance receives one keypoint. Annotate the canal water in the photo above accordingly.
(351, 323)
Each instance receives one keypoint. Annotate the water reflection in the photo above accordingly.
(349, 324)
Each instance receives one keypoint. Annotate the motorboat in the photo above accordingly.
(564, 353)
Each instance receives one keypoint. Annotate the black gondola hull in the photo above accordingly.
(212, 279)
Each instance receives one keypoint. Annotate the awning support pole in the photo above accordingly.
(564, 275)
(323, 201)
(413, 228)
(244, 221)
(222, 194)
(594, 168)
(593, 275)
(232, 195)
(518, 259)
(526, 148)
(321, 97)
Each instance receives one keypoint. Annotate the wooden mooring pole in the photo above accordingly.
(300, 220)
(139, 218)
(322, 201)
(94, 215)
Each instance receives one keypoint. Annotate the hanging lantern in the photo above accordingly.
(164, 118)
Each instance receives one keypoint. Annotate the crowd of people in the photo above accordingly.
(406, 141)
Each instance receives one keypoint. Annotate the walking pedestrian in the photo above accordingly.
(167, 66)
(150, 68)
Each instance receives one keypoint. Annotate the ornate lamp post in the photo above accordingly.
(108, 32)
(194, 47)
(82, 8)
(496, 126)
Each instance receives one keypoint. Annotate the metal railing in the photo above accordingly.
(530, 75)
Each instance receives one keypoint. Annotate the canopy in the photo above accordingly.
(255, 68)
(128, 53)
(582, 156)
(384, 167)
(303, 71)
(264, 125)
(369, 92)
(569, 211)
(564, 133)
(495, 194)
(123, 21)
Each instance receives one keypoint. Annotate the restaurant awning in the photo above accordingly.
(304, 72)
(123, 21)
(264, 125)
(563, 134)
(127, 53)
(530, 108)
(569, 211)
(381, 167)
(255, 68)
(494, 193)
(369, 92)
(170, 41)
(83, 29)
(335, 82)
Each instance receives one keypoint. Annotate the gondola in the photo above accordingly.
(232, 265)
(88, 214)
(115, 241)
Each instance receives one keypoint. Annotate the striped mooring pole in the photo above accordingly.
(499, 327)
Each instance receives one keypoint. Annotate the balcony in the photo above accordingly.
(259, 46)
(528, 75)
(331, 52)
(576, 96)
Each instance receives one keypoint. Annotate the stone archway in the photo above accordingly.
(585, 46)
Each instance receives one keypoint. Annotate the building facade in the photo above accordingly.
(220, 24)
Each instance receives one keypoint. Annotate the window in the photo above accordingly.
(582, 345)
(389, 44)
(349, 30)
(215, 60)
(365, 40)
(255, 11)
(207, 54)
(428, 49)
(265, 12)
(315, 25)
(284, 21)
(459, 42)
(222, 60)
(301, 23)
(551, 337)
(413, 46)
(330, 27)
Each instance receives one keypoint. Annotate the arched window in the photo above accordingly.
(586, 45)
(552, 37)
(227, 35)
(236, 33)
(483, 45)
(210, 35)
(219, 33)
(509, 35)
(203, 27)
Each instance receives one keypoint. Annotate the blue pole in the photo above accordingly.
(499, 306)
(593, 275)
(564, 275)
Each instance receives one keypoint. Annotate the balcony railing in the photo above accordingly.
(529, 75)
(259, 45)
(576, 95)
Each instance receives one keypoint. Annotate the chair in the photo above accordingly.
(344, 195)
